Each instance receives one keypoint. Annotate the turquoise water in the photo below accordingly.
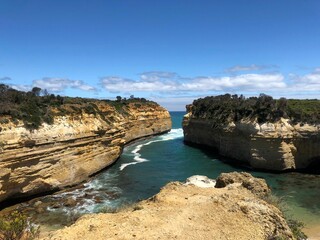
(147, 165)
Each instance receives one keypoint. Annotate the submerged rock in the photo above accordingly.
(70, 202)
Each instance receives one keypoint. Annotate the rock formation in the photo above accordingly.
(186, 211)
(73, 148)
(279, 145)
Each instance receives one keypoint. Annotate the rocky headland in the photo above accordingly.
(80, 138)
(232, 207)
(261, 132)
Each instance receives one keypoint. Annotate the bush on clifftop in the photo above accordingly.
(38, 106)
(225, 108)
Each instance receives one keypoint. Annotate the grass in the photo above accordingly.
(295, 225)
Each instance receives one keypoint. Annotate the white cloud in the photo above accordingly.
(252, 67)
(21, 87)
(248, 82)
(317, 69)
(118, 84)
(59, 84)
(5, 78)
(170, 89)
(306, 83)
(157, 75)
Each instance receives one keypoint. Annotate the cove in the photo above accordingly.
(147, 165)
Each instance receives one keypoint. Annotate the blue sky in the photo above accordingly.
(168, 51)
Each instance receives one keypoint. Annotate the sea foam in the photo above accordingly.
(173, 134)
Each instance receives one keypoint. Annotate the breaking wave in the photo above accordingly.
(173, 134)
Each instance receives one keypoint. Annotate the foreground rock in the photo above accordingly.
(74, 147)
(279, 145)
(257, 186)
(186, 211)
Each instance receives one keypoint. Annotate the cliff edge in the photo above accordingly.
(195, 210)
(84, 137)
(257, 132)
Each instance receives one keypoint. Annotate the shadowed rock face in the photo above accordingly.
(187, 211)
(73, 148)
(271, 146)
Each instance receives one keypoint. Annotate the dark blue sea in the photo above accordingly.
(147, 165)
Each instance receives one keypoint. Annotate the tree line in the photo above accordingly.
(38, 106)
(225, 108)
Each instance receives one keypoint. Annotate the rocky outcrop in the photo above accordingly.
(257, 186)
(73, 148)
(186, 211)
(278, 145)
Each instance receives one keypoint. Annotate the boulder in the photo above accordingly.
(257, 186)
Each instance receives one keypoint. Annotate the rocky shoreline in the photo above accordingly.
(230, 208)
(73, 148)
(274, 146)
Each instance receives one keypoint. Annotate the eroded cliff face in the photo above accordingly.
(272, 146)
(74, 147)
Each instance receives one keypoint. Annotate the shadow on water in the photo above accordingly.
(312, 169)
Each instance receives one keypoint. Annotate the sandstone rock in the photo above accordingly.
(39, 209)
(97, 199)
(273, 146)
(183, 212)
(55, 205)
(257, 186)
(37, 203)
(73, 148)
(69, 202)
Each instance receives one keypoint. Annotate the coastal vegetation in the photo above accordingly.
(38, 106)
(16, 226)
(225, 108)
(295, 226)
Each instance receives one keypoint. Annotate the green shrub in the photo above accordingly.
(48, 117)
(37, 106)
(225, 108)
(16, 226)
(296, 228)
(89, 109)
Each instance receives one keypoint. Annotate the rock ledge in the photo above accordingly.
(186, 211)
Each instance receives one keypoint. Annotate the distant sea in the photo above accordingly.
(147, 165)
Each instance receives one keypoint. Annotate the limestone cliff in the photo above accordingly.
(187, 211)
(74, 147)
(277, 145)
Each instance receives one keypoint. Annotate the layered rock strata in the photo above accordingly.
(276, 146)
(74, 147)
(187, 211)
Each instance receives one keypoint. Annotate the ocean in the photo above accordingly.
(147, 165)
